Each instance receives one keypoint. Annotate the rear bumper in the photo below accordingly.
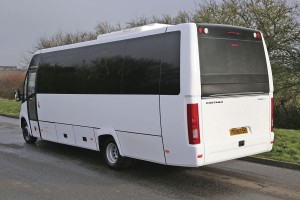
(224, 152)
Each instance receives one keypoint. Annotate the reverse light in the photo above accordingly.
(193, 123)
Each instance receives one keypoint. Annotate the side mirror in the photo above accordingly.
(18, 96)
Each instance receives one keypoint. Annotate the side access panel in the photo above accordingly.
(65, 134)
(85, 137)
(48, 131)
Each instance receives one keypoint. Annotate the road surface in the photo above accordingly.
(53, 171)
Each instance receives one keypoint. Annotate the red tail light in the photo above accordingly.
(200, 30)
(193, 123)
(258, 35)
(272, 114)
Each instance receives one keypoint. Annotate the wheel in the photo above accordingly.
(112, 156)
(27, 137)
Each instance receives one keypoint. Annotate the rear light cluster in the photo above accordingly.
(272, 114)
(193, 123)
(257, 35)
(203, 30)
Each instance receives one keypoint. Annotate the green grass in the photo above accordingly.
(286, 147)
(10, 107)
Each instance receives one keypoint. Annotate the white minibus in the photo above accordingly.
(184, 95)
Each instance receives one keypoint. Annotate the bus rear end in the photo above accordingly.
(236, 110)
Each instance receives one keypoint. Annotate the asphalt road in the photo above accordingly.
(53, 171)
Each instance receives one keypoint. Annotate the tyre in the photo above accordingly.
(26, 135)
(112, 156)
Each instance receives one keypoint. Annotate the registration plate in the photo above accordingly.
(238, 131)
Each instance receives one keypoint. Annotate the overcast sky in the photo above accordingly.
(22, 22)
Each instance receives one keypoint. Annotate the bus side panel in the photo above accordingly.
(178, 151)
(130, 113)
(144, 147)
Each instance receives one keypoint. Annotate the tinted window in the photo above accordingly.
(142, 65)
(170, 69)
(62, 72)
(103, 72)
(69, 68)
(128, 67)
(46, 76)
(232, 64)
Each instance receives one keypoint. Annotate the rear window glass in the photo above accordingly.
(232, 65)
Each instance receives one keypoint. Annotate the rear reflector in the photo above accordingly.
(272, 114)
(193, 123)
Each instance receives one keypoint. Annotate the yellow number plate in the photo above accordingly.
(238, 131)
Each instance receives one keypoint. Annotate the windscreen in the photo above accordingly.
(232, 61)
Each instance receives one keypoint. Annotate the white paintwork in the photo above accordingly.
(173, 108)
(24, 114)
(154, 128)
(144, 147)
(48, 131)
(35, 129)
(84, 132)
(234, 112)
(133, 30)
(132, 113)
(65, 134)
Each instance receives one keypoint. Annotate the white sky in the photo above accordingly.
(22, 22)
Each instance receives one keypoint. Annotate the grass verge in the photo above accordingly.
(10, 107)
(286, 147)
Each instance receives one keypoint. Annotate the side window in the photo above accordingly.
(103, 69)
(62, 72)
(142, 65)
(31, 84)
(69, 68)
(170, 68)
(46, 76)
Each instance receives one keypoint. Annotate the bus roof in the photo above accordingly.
(134, 30)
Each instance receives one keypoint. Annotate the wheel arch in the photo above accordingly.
(105, 133)
(24, 121)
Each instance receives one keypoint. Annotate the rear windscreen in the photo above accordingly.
(232, 61)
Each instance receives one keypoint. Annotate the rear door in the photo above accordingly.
(235, 106)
